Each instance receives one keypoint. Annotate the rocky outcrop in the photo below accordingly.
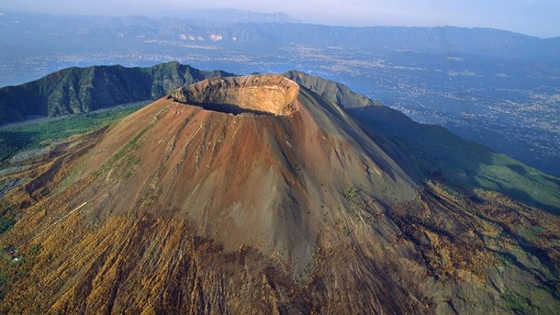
(265, 94)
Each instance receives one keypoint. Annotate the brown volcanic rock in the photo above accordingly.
(249, 179)
(270, 94)
(254, 195)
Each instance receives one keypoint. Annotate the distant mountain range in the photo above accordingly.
(229, 15)
(247, 28)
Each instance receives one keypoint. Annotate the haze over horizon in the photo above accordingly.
(530, 17)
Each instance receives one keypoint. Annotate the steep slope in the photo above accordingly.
(265, 143)
(255, 195)
(79, 90)
(437, 152)
(433, 151)
(335, 92)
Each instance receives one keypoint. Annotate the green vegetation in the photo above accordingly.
(436, 153)
(350, 194)
(13, 269)
(355, 202)
(353, 199)
(7, 215)
(82, 90)
(130, 146)
(6, 223)
(527, 299)
(4, 281)
(34, 250)
(19, 139)
(531, 232)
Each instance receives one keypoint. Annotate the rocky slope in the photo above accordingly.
(431, 150)
(335, 92)
(256, 195)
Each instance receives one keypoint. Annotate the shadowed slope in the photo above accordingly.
(427, 151)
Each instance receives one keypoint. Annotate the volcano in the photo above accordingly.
(257, 195)
(255, 161)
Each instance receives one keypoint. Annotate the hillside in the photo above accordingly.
(333, 91)
(434, 151)
(81, 90)
(259, 195)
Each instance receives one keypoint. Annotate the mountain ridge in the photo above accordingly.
(230, 15)
(435, 39)
(72, 90)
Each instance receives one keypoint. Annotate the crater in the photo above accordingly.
(272, 95)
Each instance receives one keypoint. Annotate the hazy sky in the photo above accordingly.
(533, 17)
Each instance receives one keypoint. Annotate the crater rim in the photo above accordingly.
(268, 94)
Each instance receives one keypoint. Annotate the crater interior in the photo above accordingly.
(257, 94)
